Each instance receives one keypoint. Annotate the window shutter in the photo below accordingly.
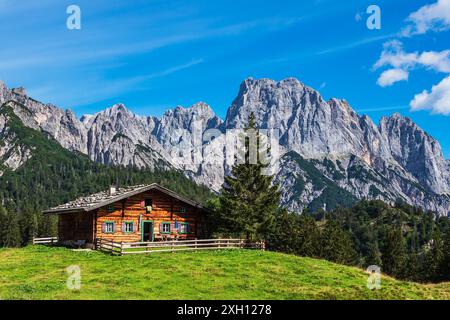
(114, 227)
(134, 227)
(160, 227)
(103, 227)
(123, 227)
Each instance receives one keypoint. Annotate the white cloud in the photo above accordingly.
(432, 17)
(393, 55)
(437, 101)
(391, 76)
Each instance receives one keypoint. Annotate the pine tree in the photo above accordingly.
(249, 200)
(28, 226)
(11, 231)
(284, 234)
(393, 253)
(308, 237)
(434, 256)
(445, 261)
(413, 268)
(3, 228)
(336, 244)
(374, 255)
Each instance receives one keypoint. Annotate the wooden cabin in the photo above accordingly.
(141, 213)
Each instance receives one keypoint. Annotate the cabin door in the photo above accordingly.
(147, 231)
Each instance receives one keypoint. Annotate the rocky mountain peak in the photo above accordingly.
(416, 151)
(116, 109)
(20, 91)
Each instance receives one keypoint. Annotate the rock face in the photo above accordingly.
(330, 154)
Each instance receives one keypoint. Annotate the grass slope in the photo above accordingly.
(39, 273)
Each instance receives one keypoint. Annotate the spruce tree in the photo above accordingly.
(28, 226)
(336, 244)
(445, 261)
(308, 237)
(3, 228)
(373, 255)
(11, 231)
(434, 255)
(393, 253)
(249, 201)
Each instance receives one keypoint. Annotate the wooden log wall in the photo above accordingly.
(164, 209)
(76, 226)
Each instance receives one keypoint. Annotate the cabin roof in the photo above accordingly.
(104, 198)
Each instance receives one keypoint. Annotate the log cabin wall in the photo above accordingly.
(165, 209)
(76, 226)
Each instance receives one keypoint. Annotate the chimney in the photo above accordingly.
(112, 190)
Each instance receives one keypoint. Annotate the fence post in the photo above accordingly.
(121, 248)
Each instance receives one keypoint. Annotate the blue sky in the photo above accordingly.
(155, 55)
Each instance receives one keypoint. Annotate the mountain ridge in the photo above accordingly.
(394, 160)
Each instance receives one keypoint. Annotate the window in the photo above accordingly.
(128, 227)
(111, 208)
(148, 203)
(109, 227)
(182, 209)
(184, 227)
(165, 227)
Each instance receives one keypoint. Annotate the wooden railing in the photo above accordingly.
(49, 240)
(122, 248)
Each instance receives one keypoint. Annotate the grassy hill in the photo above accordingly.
(39, 273)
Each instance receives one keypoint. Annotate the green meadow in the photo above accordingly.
(39, 272)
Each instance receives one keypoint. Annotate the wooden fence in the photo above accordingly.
(49, 240)
(122, 248)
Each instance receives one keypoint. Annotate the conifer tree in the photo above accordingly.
(445, 262)
(336, 244)
(249, 200)
(3, 229)
(28, 226)
(11, 231)
(413, 268)
(374, 255)
(434, 256)
(393, 253)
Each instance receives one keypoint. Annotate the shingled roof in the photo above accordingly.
(104, 198)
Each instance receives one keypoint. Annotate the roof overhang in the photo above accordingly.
(126, 195)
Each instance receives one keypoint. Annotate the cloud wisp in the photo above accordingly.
(393, 55)
(437, 100)
(433, 17)
(391, 76)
